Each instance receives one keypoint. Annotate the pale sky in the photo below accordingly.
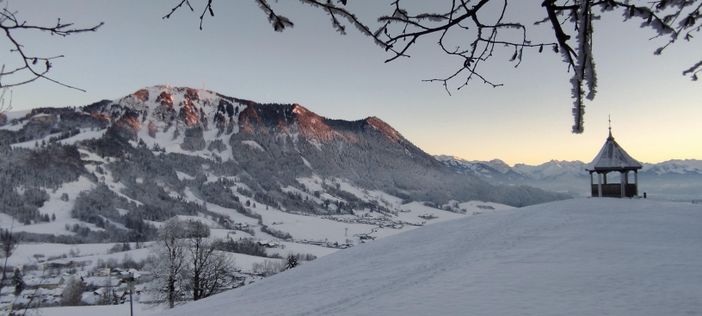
(655, 111)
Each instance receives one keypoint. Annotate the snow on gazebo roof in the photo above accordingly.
(613, 157)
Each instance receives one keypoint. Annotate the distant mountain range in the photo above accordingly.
(113, 169)
(672, 179)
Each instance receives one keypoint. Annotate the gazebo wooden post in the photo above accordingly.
(599, 184)
(622, 183)
(591, 184)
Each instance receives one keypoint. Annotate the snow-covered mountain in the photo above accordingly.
(673, 179)
(494, 170)
(560, 168)
(114, 169)
(675, 167)
(552, 169)
(582, 256)
(500, 170)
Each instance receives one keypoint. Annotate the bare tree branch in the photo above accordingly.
(472, 34)
(32, 67)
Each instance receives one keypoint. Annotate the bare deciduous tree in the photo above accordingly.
(8, 242)
(5, 99)
(73, 292)
(216, 275)
(5, 103)
(472, 32)
(189, 261)
(209, 270)
(269, 267)
(171, 260)
(200, 253)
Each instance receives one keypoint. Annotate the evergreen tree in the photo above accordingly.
(18, 281)
(292, 262)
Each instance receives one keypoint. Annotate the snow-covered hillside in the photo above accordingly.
(583, 257)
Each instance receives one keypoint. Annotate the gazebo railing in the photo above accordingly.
(615, 190)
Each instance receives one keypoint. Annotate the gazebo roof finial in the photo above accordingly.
(609, 118)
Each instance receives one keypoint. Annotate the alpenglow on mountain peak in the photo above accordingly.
(161, 106)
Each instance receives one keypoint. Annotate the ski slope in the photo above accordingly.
(575, 257)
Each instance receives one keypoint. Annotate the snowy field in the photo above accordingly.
(575, 257)
(101, 310)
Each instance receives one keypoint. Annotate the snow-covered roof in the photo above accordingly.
(613, 157)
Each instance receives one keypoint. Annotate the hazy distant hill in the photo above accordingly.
(672, 179)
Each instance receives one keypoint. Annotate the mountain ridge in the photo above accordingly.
(669, 178)
(677, 166)
(168, 151)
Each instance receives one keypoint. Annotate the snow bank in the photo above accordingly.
(585, 257)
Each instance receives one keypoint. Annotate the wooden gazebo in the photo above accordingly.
(613, 158)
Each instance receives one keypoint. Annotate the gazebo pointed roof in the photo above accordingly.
(612, 157)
